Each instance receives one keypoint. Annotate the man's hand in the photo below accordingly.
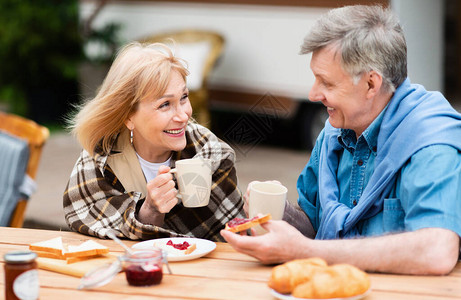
(276, 246)
(428, 251)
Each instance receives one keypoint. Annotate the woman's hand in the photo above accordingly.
(160, 198)
(161, 191)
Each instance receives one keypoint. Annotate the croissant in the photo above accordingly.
(286, 277)
(313, 278)
(337, 281)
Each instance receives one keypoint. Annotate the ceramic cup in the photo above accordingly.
(194, 181)
(267, 197)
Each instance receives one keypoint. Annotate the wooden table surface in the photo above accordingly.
(222, 274)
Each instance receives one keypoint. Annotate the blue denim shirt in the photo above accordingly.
(426, 193)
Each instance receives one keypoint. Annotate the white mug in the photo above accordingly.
(194, 181)
(267, 197)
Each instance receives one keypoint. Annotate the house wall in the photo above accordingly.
(262, 41)
(422, 22)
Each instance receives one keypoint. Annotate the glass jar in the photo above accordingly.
(143, 267)
(21, 275)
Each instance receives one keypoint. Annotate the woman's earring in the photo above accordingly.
(131, 136)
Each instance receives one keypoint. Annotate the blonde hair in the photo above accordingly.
(139, 71)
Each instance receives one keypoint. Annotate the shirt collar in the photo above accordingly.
(348, 140)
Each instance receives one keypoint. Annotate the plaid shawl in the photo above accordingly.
(95, 200)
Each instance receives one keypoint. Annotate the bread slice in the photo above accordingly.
(52, 246)
(170, 249)
(72, 260)
(49, 255)
(238, 224)
(88, 248)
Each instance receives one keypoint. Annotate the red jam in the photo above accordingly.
(143, 275)
(21, 275)
(180, 246)
(143, 268)
(238, 221)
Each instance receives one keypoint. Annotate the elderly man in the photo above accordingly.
(382, 188)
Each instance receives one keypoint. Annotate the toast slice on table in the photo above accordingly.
(55, 248)
(239, 224)
(49, 255)
(88, 248)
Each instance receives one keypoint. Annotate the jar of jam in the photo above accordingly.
(21, 275)
(143, 267)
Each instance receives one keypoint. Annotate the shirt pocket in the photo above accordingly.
(393, 215)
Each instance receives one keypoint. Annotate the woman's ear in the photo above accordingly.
(129, 124)
(375, 82)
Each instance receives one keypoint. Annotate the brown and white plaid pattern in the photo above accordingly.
(95, 201)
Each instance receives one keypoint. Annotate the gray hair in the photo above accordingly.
(368, 38)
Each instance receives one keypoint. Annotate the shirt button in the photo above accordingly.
(360, 162)
(354, 202)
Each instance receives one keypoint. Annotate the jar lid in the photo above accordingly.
(20, 257)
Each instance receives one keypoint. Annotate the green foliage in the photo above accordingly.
(14, 99)
(106, 42)
(40, 48)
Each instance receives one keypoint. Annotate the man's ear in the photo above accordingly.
(375, 82)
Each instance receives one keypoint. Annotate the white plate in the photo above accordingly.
(289, 297)
(203, 247)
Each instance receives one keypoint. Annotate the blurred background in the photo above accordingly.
(54, 54)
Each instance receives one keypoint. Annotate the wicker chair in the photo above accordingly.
(201, 50)
(32, 135)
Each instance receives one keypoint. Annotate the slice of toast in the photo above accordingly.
(174, 251)
(49, 255)
(52, 246)
(72, 260)
(238, 224)
(88, 248)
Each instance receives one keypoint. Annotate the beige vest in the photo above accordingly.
(126, 165)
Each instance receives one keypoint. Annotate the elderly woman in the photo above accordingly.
(132, 132)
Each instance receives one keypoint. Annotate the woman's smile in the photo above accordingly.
(175, 132)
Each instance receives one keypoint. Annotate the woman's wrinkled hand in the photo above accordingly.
(161, 192)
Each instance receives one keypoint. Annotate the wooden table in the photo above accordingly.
(222, 274)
